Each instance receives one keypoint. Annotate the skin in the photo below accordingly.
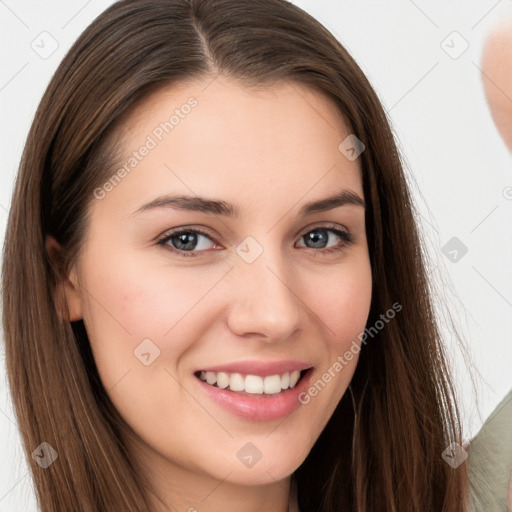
(497, 77)
(269, 152)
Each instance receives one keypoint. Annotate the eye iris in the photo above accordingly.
(317, 237)
(185, 241)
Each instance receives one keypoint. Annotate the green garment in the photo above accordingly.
(490, 462)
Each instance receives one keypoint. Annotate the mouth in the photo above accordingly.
(254, 386)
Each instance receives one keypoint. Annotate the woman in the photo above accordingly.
(232, 305)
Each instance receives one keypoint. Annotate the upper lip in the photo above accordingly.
(263, 368)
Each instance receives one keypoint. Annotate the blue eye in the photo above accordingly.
(190, 241)
(186, 240)
(319, 238)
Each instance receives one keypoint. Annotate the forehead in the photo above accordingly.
(230, 94)
(217, 137)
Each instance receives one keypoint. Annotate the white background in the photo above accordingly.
(438, 111)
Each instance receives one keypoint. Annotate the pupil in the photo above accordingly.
(185, 241)
(319, 238)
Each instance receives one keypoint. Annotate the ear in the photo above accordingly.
(67, 294)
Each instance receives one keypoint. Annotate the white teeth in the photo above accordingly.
(236, 382)
(222, 380)
(294, 377)
(254, 384)
(272, 384)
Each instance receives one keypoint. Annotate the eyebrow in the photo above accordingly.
(218, 207)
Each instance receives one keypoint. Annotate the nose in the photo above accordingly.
(264, 302)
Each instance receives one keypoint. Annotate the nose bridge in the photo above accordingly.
(264, 301)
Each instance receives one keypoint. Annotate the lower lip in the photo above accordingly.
(260, 407)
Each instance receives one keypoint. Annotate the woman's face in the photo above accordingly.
(266, 279)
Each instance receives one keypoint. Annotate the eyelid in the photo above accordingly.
(319, 225)
(184, 229)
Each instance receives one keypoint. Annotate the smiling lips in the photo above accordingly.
(254, 377)
(256, 390)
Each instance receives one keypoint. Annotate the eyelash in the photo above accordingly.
(346, 240)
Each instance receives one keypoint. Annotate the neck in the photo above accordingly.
(211, 495)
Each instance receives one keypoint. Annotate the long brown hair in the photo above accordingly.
(381, 450)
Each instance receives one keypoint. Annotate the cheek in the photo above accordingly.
(143, 296)
(129, 300)
(342, 302)
(140, 312)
